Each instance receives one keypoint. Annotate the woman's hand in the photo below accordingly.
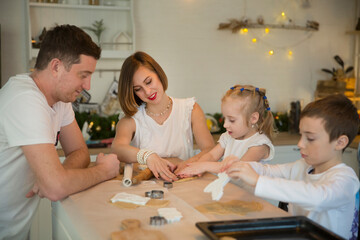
(244, 172)
(161, 168)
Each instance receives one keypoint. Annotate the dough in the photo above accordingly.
(232, 207)
(155, 203)
(186, 179)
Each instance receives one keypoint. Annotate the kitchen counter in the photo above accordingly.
(89, 215)
(282, 139)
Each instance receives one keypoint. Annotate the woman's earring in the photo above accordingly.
(252, 125)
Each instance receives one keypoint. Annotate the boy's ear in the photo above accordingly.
(341, 142)
(254, 118)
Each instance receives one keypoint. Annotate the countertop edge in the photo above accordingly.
(281, 139)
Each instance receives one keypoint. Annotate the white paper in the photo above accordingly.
(130, 198)
(216, 187)
(170, 214)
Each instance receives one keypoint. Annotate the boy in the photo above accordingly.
(318, 186)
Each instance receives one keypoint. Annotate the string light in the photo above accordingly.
(263, 39)
(244, 31)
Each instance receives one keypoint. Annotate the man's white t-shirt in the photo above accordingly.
(25, 119)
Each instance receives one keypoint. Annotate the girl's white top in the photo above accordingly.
(239, 147)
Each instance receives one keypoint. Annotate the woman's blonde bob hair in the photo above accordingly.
(129, 102)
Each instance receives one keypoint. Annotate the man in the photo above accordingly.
(36, 112)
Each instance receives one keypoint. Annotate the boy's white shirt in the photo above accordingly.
(327, 198)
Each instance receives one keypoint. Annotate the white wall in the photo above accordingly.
(204, 62)
(13, 40)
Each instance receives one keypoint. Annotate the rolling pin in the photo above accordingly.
(145, 174)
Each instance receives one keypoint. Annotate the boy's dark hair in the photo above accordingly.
(67, 43)
(339, 114)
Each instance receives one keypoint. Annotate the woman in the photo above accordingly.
(156, 126)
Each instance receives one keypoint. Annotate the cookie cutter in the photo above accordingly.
(155, 194)
(168, 184)
(157, 220)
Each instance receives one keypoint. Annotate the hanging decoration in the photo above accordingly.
(244, 25)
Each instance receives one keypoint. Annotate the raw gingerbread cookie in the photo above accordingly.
(155, 203)
(133, 231)
(232, 207)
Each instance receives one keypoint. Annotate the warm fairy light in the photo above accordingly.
(267, 30)
(283, 14)
(290, 53)
(244, 31)
(254, 40)
(91, 124)
(271, 52)
(33, 41)
(113, 124)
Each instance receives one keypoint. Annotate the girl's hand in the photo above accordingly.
(229, 160)
(192, 169)
(244, 172)
(161, 168)
(180, 166)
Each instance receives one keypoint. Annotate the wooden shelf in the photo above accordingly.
(118, 19)
(353, 32)
(281, 26)
(73, 6)
(105, 54)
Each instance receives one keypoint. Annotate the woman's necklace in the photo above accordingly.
(162, 113)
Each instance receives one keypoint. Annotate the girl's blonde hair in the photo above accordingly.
(255, 100)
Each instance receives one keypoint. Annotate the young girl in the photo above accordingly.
(156, 126)
(249, 125)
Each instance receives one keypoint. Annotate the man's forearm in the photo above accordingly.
(77, 159)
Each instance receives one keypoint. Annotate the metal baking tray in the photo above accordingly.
(298, 228)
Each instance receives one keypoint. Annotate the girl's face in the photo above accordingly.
(147, 86)
(235, 120)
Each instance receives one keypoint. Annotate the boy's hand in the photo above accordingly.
(244, 172)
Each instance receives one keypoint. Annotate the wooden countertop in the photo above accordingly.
(282, 139)
(89, 215)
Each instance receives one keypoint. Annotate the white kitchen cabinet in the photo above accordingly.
(118, 38)
(291, 153)
(285, 154)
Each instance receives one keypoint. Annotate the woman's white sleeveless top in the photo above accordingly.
(171, 139)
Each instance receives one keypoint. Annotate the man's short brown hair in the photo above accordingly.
(67, 43)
